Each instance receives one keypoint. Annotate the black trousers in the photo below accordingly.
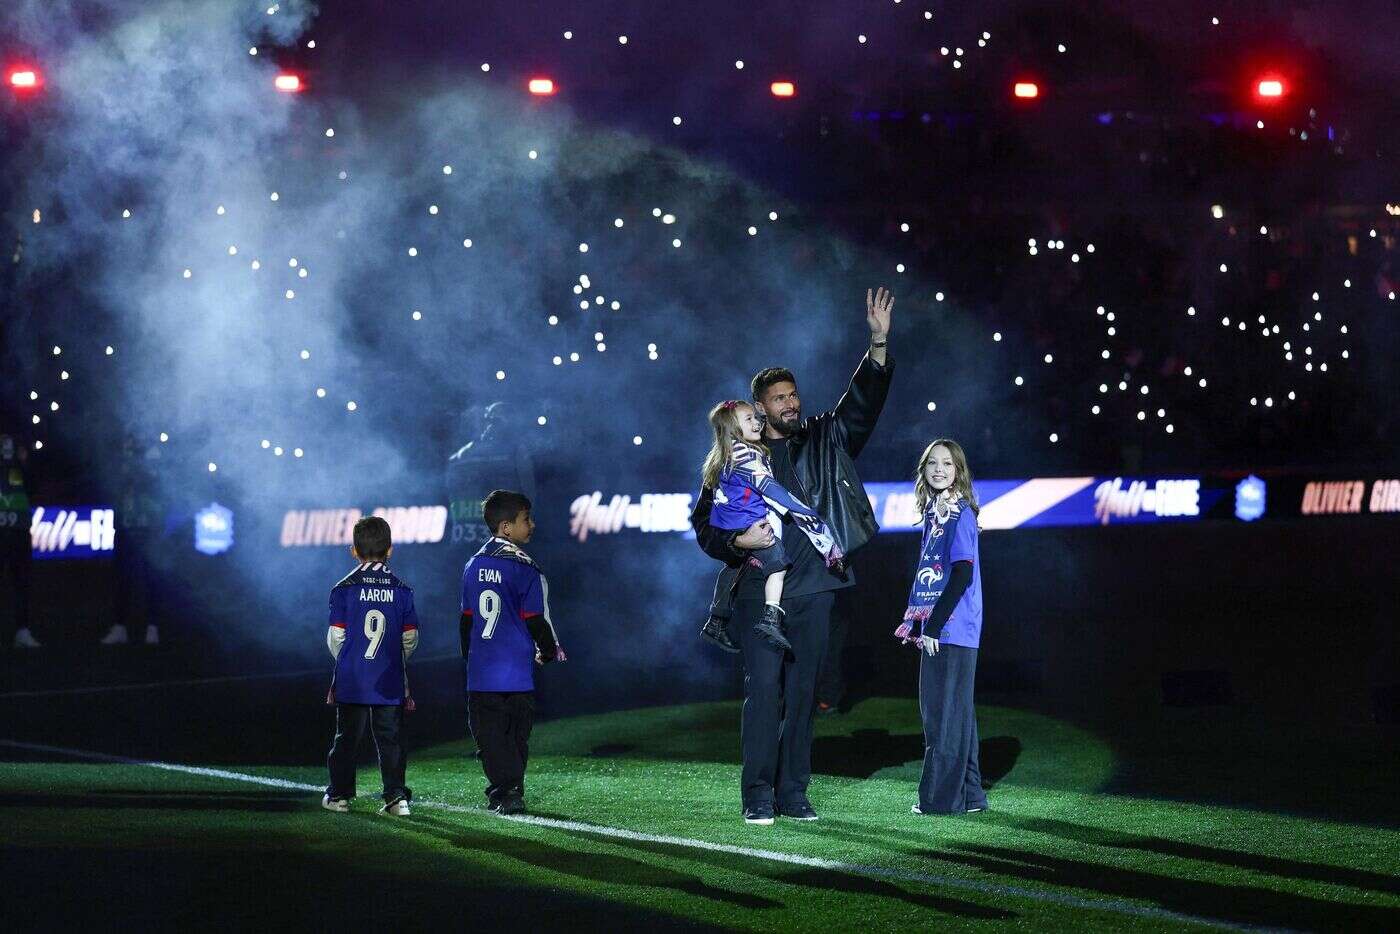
(15, 563)
(831, 679)
(779, 699)
(500, 722)
(384, 722)
(134, 578)
(952, 779)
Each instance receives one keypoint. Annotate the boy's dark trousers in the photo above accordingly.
(500, 722)
(384, 721)
(952, 779)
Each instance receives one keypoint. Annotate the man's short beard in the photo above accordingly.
(787, 427)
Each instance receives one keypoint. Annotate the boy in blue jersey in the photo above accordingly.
(373, 630)
(506, 631)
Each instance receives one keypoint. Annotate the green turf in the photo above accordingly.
(129, 844)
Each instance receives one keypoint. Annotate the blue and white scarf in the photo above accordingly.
(940, 522)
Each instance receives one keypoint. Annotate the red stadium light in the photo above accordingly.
(783, 89)
(1026, 90)
(24, 78)
(287, 83)
(542, 87)
(1270, 88)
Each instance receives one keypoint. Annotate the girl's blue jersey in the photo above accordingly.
(747, 490)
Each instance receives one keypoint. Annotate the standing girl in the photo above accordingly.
(944, 620)
(740, 473)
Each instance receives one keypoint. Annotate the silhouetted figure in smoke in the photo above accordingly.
(138, 527)
(813, 457)
(831, 679)
(495, 459)
(15, 546)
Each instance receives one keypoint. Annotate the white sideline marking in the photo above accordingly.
(793, 859)
(192, 682)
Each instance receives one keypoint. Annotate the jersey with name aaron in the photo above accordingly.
(505, 617)
(375, 609)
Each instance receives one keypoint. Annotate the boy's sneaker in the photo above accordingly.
(511, 806)
(397, 808)
(761, 814)
(717, 634)
(339, 805)
(24, 639)
(770, 627)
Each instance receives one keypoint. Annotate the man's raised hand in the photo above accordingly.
(877, 312)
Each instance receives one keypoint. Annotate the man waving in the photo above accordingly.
(813, 458)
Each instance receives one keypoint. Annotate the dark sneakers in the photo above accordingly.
(511, 806)
(801, 810)
(758, 814)
(770, 627)
(717, 634)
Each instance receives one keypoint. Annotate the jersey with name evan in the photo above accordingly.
(375, 609)
(502, 588)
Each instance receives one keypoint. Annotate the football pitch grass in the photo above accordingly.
(635, 824)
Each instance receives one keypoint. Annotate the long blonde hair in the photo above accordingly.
(724, 419)
(962, 482)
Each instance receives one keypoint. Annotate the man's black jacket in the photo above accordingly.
(823, 450)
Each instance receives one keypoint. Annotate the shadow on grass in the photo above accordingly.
(124, 799)
(921, 830)
(820, 880)
(863, 752)
(1254, 862)
(325, 888)
(611, 750)
(866, 751)
(589, 867)
(1230, 899)
(997, 756)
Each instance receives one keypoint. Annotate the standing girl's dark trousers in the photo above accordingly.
(952, 779)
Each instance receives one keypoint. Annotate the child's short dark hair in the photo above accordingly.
(770, 377)
(372, 539)
(503, 506)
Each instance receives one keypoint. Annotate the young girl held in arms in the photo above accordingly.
(739, 472)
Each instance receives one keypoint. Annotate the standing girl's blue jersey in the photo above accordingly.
(950, 536)
(505, 619)
(374, 609)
